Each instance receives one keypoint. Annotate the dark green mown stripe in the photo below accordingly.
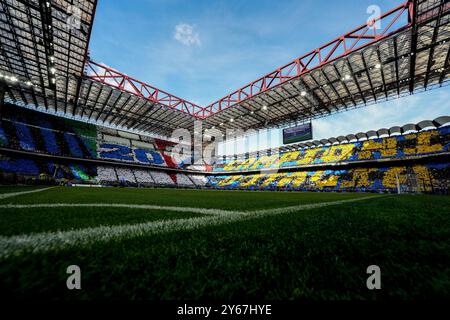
(25, 221)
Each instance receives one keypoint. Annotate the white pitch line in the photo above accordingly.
(51, 241)
(15, 194)
(292, 209)
(119, 205)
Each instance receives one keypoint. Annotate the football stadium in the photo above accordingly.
(111, 188)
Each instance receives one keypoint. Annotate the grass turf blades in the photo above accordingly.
(315, 253)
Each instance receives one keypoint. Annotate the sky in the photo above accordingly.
(201, 50)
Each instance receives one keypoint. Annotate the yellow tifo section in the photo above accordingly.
(229, 180)
(272, 178)
(308, 156)
(389, 148)
(289, 157)
(251, 180)
(346, 179)
(264, 162)
(424, 142)
(328, 181)
(338, 153)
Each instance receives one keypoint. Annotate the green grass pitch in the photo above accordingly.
(192, 244)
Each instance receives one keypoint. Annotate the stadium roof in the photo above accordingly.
(42, 53)
(39, 43)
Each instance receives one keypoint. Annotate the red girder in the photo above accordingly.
(113, 78)
(333, 50)
(346, 44)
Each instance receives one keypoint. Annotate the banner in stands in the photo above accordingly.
(297, 134)
(127, 154)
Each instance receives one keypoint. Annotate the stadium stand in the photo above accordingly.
(106, 174)
(12, 167)
(162, 178)
(126, 176)
(42, 133)
(355, 158)
(198, 180)
(143, 177)
(183, 180)
(434, 141)
(427, 178)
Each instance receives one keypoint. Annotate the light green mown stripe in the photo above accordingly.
(42, 242)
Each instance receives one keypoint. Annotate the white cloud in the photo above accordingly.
(187, 35)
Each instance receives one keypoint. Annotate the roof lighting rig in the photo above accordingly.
(410, 53)
(47, 28)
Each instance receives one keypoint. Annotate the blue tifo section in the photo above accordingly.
(115, 152)
(37, 132)
(3, 138)
(50, 141)
(25, 138)
(30, 167)
(149, 156)
(19, 166)
(122, 153)
(73, 145)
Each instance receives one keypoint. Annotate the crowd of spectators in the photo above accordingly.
(423, 177)
(397, 147)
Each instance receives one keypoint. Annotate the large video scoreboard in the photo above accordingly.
(298, 134)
